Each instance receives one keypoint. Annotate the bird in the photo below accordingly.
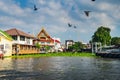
(92, 0)
(70, 25)
(75, 27)
(87, 13)
(35, 8)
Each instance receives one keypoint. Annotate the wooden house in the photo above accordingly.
(44, 39)
(22, 43)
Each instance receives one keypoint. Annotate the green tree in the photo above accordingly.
(102, 35)
(47, 48)
(37, 45)
(77, 46)
(115, 41)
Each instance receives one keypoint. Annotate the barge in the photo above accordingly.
(109, 53)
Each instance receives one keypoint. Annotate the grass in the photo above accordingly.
(66, 54)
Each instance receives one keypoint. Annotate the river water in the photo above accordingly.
(60, 68)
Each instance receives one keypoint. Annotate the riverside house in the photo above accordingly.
(22, 42)
(5, 44)
(44, 39)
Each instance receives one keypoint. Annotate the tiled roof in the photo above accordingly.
(16, 32)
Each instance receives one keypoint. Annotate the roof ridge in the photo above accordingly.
(17, 31)
(45, 32)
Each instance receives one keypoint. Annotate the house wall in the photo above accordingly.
(57, 45)
(25, 49)
(47, 43)
(6, 46)
(28, 41)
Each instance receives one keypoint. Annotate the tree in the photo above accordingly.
(47, 48)
(76, 47)
(37, 45)
(115, 41)
(102, 35)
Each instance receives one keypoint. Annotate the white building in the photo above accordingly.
(20, 37)
(5, 43)
(57, 44)
(22, 42)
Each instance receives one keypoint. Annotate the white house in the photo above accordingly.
(5, 43)
(57, 43)
(22, 42)
(20, 37)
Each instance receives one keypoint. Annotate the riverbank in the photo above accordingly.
(66, 54)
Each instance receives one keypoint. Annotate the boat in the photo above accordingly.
(109, 53)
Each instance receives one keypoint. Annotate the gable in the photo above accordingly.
(43, 35)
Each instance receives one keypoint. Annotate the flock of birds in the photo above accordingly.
(86, 13)
(35, 8)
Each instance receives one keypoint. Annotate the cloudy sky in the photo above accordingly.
(54, 16)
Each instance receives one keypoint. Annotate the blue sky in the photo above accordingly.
(54, 16)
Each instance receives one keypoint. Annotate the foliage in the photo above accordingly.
(77, 46)
(47, 48)
(115, 41)
(102, 35)
(66, 54)
(37, 45)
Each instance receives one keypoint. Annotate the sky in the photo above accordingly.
(54, 16)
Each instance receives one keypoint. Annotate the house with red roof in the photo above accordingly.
(44, 39)
(22, 42)
(20, 37)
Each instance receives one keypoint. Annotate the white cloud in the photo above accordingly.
(55, 16)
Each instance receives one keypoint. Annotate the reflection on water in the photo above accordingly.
(59, 68)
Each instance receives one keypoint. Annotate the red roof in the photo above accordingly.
(15, 32)
(56, 40)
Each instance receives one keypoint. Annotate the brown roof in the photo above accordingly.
(16, 32)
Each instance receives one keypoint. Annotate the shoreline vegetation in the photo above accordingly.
(59, 54)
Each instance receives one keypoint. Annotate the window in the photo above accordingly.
(1, 46)
(42, 38)
(14, 37)
(7, 46)
(28, 40)
(42, 42)
(48, 42)
(22, 38)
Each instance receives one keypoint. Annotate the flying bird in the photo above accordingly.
(35, 8)
(92, 0)
(87, 13)
(75, 27)
(70, 25)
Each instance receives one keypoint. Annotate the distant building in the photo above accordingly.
(5, 44)
(68, 43)
(22, 42)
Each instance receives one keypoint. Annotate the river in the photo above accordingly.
(60, 68)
